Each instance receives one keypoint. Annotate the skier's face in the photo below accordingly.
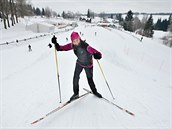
(76, 41)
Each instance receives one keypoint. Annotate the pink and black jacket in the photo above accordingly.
(83, 51)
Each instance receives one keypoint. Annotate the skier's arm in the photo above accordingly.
(96, 54)
(66, 47)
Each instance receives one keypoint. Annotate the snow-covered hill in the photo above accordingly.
(139, 74)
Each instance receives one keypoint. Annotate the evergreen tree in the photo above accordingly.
(164, 25)
(63, 14)
(43, 12)
(128, 23)
(129, 16)
(148, 29)
(58, 15)
(38, 12)
(34, 10)
(170, 21)
(158, 24)
(119, 17)
(111, 16)
(88, 13)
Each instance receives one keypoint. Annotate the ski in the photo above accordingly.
(130, 113)
(58, 108)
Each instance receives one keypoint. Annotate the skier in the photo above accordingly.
(30, 49)
(84, 53)
(141, 39)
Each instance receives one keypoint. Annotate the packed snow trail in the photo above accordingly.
(140, 83)
(58, 108)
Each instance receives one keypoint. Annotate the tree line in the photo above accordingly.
(47, 12)
(10, 10)
(145, 26)
(163, 24)
(132, 23)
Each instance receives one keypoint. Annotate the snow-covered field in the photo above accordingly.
(139, 74)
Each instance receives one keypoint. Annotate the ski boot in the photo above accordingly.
(74, 96)
(98, 94)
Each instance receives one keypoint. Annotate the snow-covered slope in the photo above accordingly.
(138, 74)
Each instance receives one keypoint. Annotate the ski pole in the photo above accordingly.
(58, 78)
(105, 78)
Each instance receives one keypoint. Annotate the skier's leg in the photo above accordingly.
(89, 73)
(78, 70)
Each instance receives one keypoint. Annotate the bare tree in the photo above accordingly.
(102, 14)
(136, 23)
(70, 14)
(15, 10)
(48, 12)
(54, 14)
(12, 12)
(7, 12)
(21, 8)
(11, 9)
(2, 4)
(144, 20)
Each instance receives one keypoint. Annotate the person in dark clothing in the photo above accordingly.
(141, 39)
(30, 49)
(84, 53)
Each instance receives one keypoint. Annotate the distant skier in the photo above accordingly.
(66, 39)
(30, 48)
(141, 39)
(84, 53)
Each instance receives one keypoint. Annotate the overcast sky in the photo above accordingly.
(109, 6)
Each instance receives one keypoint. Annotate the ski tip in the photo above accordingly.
(132, 114)
(33, 122)
(37, 121)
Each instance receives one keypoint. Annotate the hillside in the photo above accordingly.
(139, 74)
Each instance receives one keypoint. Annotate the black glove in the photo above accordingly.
(97, 56)
(54, 39)
(49, 45)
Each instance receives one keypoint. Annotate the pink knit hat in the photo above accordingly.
(74, 36)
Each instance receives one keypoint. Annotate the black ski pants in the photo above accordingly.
(89, 74)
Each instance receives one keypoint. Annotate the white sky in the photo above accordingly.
(109, 6)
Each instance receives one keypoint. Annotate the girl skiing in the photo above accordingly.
(84, 53)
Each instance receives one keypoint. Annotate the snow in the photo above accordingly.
(41, 27)
(160, 34)
(138, 73)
